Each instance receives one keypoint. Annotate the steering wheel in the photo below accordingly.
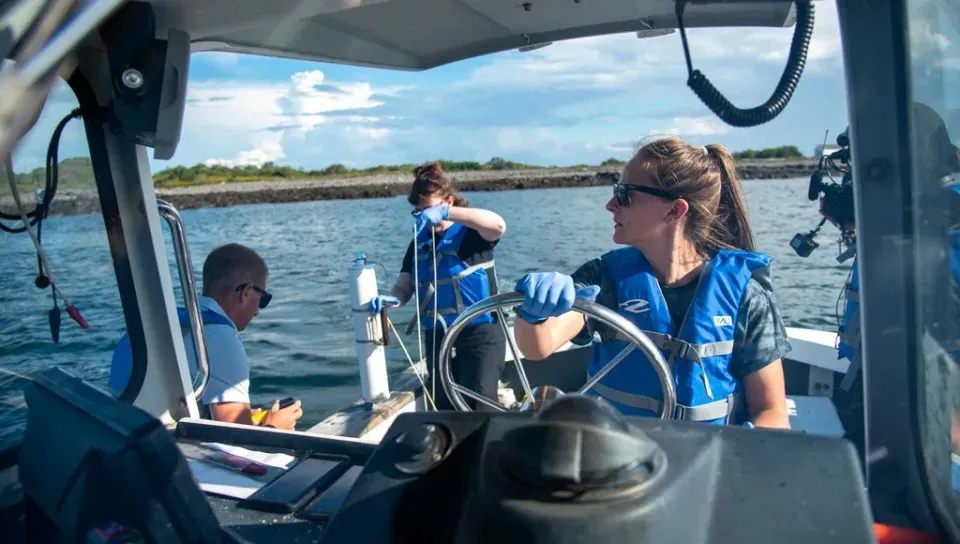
(455, 392)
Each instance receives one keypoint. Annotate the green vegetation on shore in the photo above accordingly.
(200, 173)
(77, 173)
(782, 152)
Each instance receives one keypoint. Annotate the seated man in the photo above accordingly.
(234, 291)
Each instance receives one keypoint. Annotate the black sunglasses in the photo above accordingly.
(265, 296)
(622, 192)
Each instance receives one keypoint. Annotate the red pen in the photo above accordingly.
(236, 463)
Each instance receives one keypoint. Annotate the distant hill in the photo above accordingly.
(76, 173)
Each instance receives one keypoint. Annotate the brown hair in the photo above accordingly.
(231, 265)
(430, 180)
(706, 177)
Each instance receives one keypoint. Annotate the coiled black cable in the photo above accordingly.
(52, 181)
(752, 117)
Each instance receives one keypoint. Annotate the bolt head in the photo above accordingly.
(132, 78)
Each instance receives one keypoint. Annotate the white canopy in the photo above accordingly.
(421, 34)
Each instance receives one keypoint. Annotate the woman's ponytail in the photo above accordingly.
(732, 221)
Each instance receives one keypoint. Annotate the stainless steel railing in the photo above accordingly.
(185, 266)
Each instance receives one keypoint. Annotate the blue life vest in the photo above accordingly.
(954, 240)
(699, 354)
(955, 253)
(459, 285)
(122, 365)
(850, 329)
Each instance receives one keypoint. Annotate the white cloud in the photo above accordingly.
(227, 59)
(519, 138)
(694, 126)
(308, 98)
(623, 61)
(251, 121)
(265, 150)
(621, 148)
(370, 133)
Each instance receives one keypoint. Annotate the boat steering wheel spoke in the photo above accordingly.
(535, 398)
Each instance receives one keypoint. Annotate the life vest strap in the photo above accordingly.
(682, 349)
(423, 307)
(850, 332)
(442, 253)
(710, 411)
(440, 311)
(486, 265)
(426, 310)
(852, 372)
(686, 350)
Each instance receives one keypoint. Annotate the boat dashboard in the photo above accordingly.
(93, 469)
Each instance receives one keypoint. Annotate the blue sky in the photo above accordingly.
(579, 101)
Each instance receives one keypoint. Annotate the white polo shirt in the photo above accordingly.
(229, 366)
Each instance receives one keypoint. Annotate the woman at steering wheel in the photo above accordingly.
(689, 278)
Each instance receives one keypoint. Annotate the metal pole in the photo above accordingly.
(187, 282)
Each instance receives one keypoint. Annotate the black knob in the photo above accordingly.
(585, 410)
(578, 443)
(418, 449)
(42, 282)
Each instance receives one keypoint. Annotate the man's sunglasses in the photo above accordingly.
(622, 192)
(264, 295)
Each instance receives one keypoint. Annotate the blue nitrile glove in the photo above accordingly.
(431, 216)
(549, 294)
(749, 425)
(380, 301)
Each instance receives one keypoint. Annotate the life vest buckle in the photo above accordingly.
(680, 349)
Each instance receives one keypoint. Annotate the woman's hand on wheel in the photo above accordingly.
(549, 294)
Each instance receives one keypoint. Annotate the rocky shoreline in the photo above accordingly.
(386, 186)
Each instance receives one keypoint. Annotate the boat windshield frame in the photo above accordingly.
(906, 455)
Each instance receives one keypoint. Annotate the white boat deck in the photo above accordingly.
(816, 348)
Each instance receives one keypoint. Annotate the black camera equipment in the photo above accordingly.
(836, 199)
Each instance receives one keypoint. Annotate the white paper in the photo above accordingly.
(220, 481)
(223, 481)
(278, 460)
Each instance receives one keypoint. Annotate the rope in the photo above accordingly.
(11, 179)
(413, 366)
(433, 335)
(416, 291)
(416, 294)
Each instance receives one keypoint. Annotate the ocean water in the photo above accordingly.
(302, 345)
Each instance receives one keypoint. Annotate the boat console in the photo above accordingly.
(94, 469)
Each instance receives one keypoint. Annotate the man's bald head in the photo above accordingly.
(229, 266)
